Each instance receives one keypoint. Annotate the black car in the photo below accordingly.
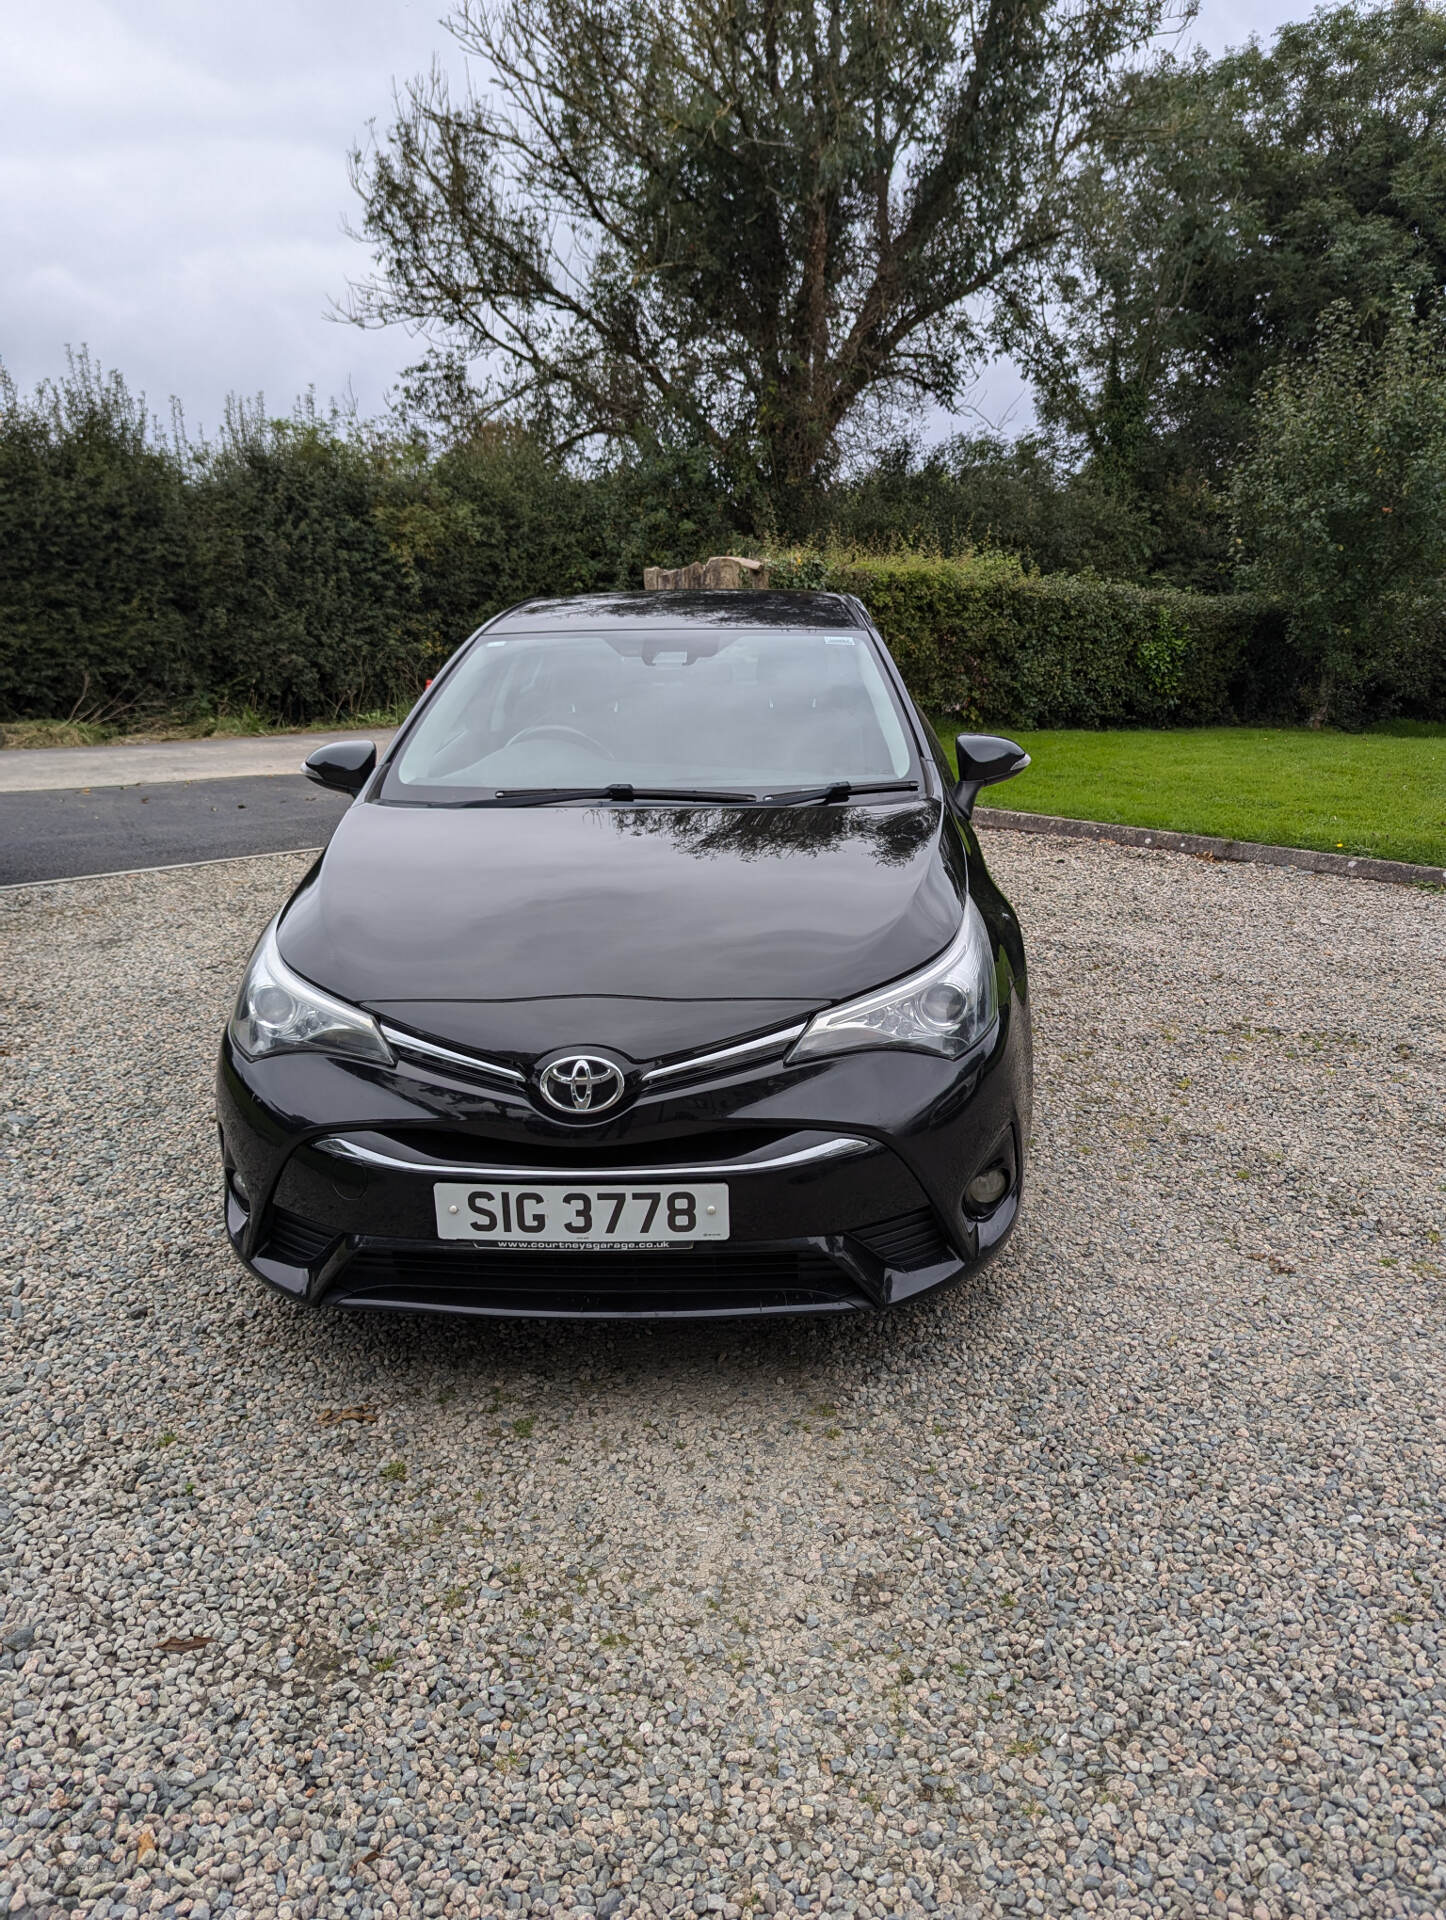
(654, 971)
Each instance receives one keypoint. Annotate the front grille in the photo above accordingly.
(553, 1152)
(908, 1242)
(294, 1241)
(696, 1281)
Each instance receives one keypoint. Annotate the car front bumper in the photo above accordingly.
(846, 1179)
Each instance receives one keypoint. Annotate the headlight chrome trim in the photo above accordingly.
(895, 1017)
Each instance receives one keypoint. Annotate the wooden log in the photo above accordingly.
(725, 570)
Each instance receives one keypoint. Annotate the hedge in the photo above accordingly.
(303, 568)
(307, 568)
(986, 640)
(312, 567)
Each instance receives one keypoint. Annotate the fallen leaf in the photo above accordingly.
(333, 1416)
(145, 1843)
(187, 1643)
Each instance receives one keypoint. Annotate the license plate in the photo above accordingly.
(623, 1216)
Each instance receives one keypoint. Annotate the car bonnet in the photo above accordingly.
(650, 929)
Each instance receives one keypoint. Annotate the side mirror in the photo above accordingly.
(984, 758)
(345, 765)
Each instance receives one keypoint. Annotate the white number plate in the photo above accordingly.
(627, 1215)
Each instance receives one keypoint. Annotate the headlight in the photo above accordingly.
(278, 1012)
(945, 1009)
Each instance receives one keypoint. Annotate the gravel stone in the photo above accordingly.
(1110, 1583)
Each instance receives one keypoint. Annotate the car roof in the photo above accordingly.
(749, 607)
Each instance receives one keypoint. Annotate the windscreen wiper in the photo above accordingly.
(622, 792)
(836, 794)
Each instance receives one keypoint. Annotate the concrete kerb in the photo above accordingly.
(1401, 873)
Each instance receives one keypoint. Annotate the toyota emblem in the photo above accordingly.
(581, 1083)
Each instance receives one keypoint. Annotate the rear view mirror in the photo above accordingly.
(984, 758)
(345, 765)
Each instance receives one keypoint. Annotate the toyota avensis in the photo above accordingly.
(654, 971)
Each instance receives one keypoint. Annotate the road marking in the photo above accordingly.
(177, 866)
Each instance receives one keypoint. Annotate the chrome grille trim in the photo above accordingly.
(842, 1147)
(408, 1043)
(723, 1060)
(726, 1057)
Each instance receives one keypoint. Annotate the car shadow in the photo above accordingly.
(822, 1354)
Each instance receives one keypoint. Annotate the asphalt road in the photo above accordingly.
(58, 833)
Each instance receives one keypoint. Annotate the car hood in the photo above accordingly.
(649, 930)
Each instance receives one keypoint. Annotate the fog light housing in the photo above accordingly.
(987, 1189)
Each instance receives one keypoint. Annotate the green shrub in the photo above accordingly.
(979, 491)
(95, 551)
(982, 638)
(308, 604)
(1340, 510)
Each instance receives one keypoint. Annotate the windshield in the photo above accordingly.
(745, 712)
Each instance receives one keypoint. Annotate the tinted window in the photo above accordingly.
(755, 711)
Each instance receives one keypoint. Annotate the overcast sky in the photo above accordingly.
(173, 188)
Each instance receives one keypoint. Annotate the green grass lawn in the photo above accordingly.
(1381, 793)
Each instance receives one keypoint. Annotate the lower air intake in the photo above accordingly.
(699, 1281)
(294, 1241)
(909, 1241)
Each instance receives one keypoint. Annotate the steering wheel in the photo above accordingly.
(555, 730)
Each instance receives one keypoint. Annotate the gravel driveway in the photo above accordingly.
(1115, 1582)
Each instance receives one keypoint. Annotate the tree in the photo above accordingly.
(1241, 198)
(978, 491)
(724, 226)
(1340, 512)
